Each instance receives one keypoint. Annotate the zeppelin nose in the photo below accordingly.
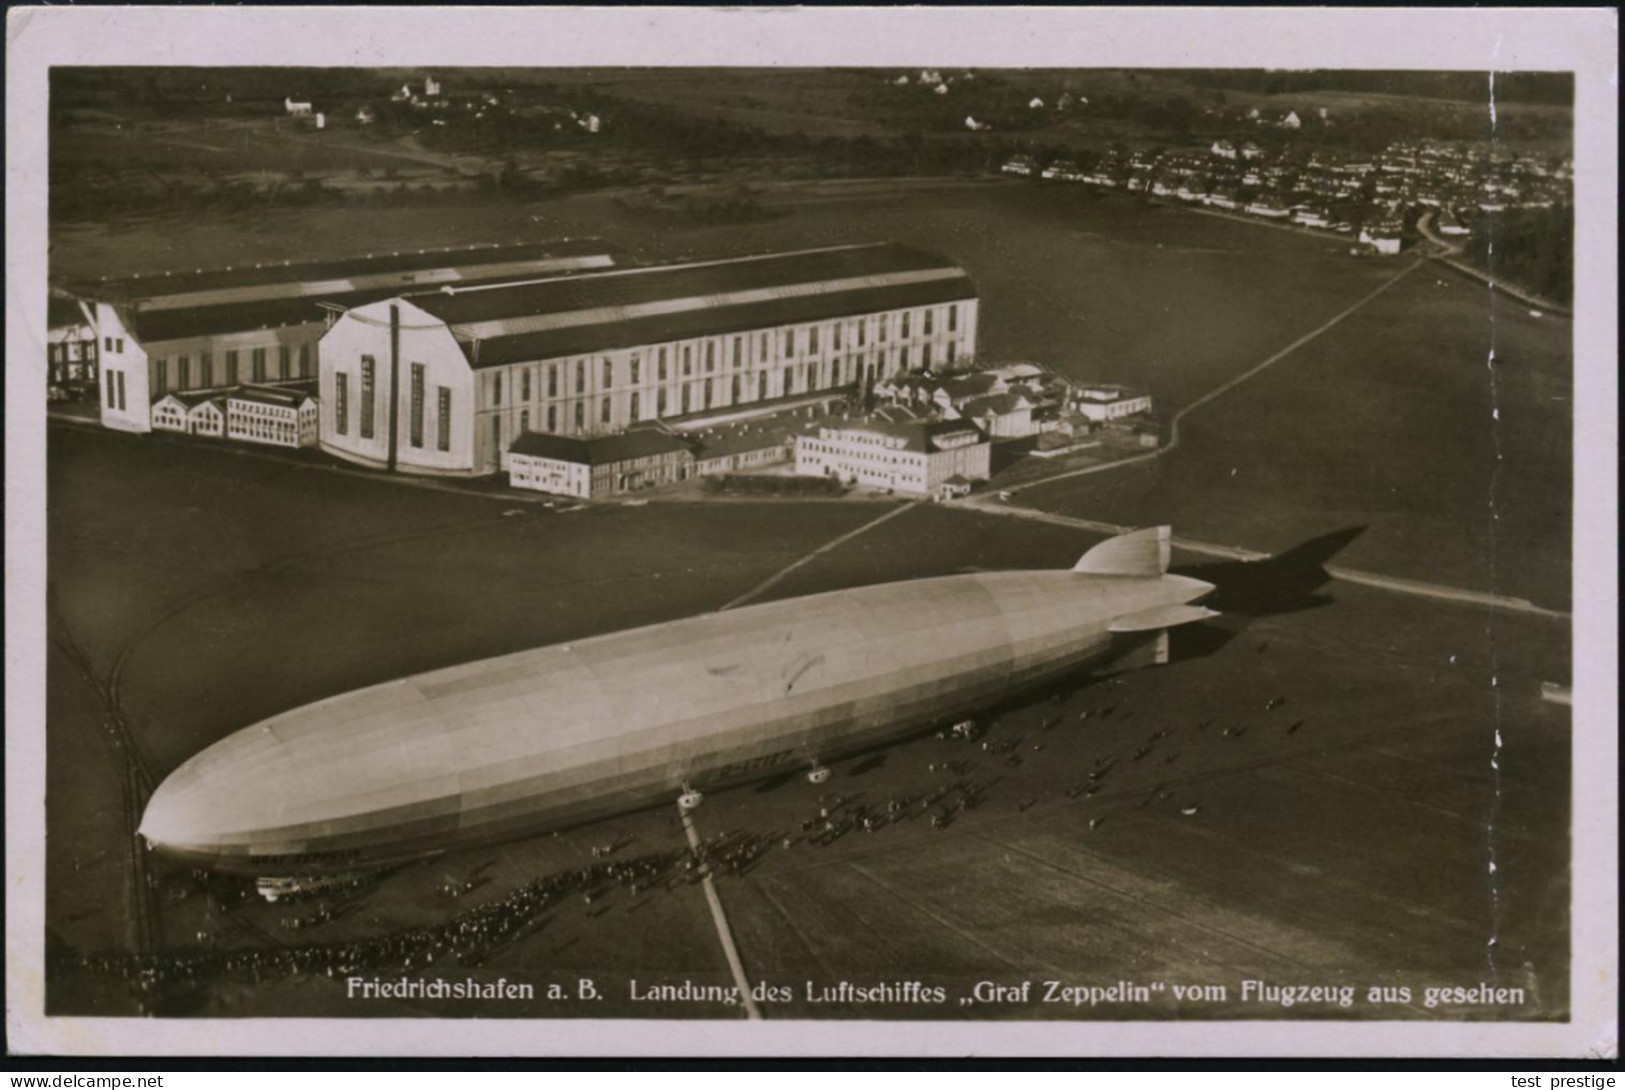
(171, 819)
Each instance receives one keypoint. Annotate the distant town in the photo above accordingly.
(1348, 194)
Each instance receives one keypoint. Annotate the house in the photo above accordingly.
(1224, 149)
(1309, 216)
(941, 89)
(930, 76)
(1002, 416)
(431, 87)
(1036, 103)
(1252, 114)
(589, 122)
(321, 121)
(977, 126)
(70, 340)
(598, 467)
(901, 81)
(1251, 151)
(1291, 120)
(1023, 165)
(1450, 225)
(296, 109)
(366, 116)
(1101, 402)
(1384, 241)
(1269, 207)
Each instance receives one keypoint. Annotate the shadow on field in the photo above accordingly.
(1285, 583)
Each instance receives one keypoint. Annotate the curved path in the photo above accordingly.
(1225, 387)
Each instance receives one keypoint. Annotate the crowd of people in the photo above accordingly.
(471, 936)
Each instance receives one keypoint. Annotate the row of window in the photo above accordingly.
(662, 356)
(341, 405)
(70, 351)
(700, 396)
(258, 358)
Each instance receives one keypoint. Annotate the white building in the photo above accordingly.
(431, 87)
(594, 468)
(1384, 244)
(442, 382)
(200, 412)
(275, 415)
(1291, 120)
(296, 109)
(213, 328)
(912, 459)
(70, 340)
(1103, 401)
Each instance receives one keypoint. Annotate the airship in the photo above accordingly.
(565, 734)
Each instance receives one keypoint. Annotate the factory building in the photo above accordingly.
(445, 382)
(262, 324)
(912, 458)
(282, 417)
(594, 468)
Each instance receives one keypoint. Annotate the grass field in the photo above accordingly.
(1340, 837)
(1393, 420)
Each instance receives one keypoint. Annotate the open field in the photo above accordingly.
(1342, 837)
(1394, 420)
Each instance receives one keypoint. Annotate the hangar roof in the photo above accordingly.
(172, 307)
(558, 317)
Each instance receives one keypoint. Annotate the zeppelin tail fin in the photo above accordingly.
(1161, 618)
(1143, 552)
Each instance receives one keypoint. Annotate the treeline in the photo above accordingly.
(1533, 249)
(1548, 88)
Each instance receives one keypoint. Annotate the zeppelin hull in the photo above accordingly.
(515, 745)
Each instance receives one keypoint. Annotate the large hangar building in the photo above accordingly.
(216, 328)
(444, 381)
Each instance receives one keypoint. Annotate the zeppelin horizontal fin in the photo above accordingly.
(1162, 617)
(1143, 553)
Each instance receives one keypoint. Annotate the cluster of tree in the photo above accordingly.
(1532, 248)
(207, 92)
(1552, 88)
(741, 204)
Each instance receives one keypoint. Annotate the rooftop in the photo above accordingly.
(917, 435)
(171, 307)
(560, 316)
(599, 451)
